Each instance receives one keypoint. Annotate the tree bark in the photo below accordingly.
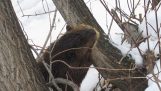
(18, 71)
(105, 54)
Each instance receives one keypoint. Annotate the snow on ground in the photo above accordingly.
(37, 28)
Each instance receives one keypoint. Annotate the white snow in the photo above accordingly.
(151, 82)
(90, 81)
(37, 28)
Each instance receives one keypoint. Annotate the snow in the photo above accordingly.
(152, 85)
(90, 81)
(37, 28)
(152, 28)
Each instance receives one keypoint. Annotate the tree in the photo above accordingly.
(18, 71)
(76, 12)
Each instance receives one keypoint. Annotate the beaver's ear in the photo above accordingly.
(68, 28)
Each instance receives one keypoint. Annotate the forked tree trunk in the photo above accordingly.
(17, 65)
(105, 55)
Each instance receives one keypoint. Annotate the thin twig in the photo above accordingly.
(125, 78)
(49, 34)
(118, 21)
(36, 14)
(20, 7)
(99, 68)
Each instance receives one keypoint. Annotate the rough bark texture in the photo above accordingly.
(17, 65)
(105, 55)
(155, 3)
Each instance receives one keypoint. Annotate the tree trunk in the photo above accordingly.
(18, 71)
(76, 12)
